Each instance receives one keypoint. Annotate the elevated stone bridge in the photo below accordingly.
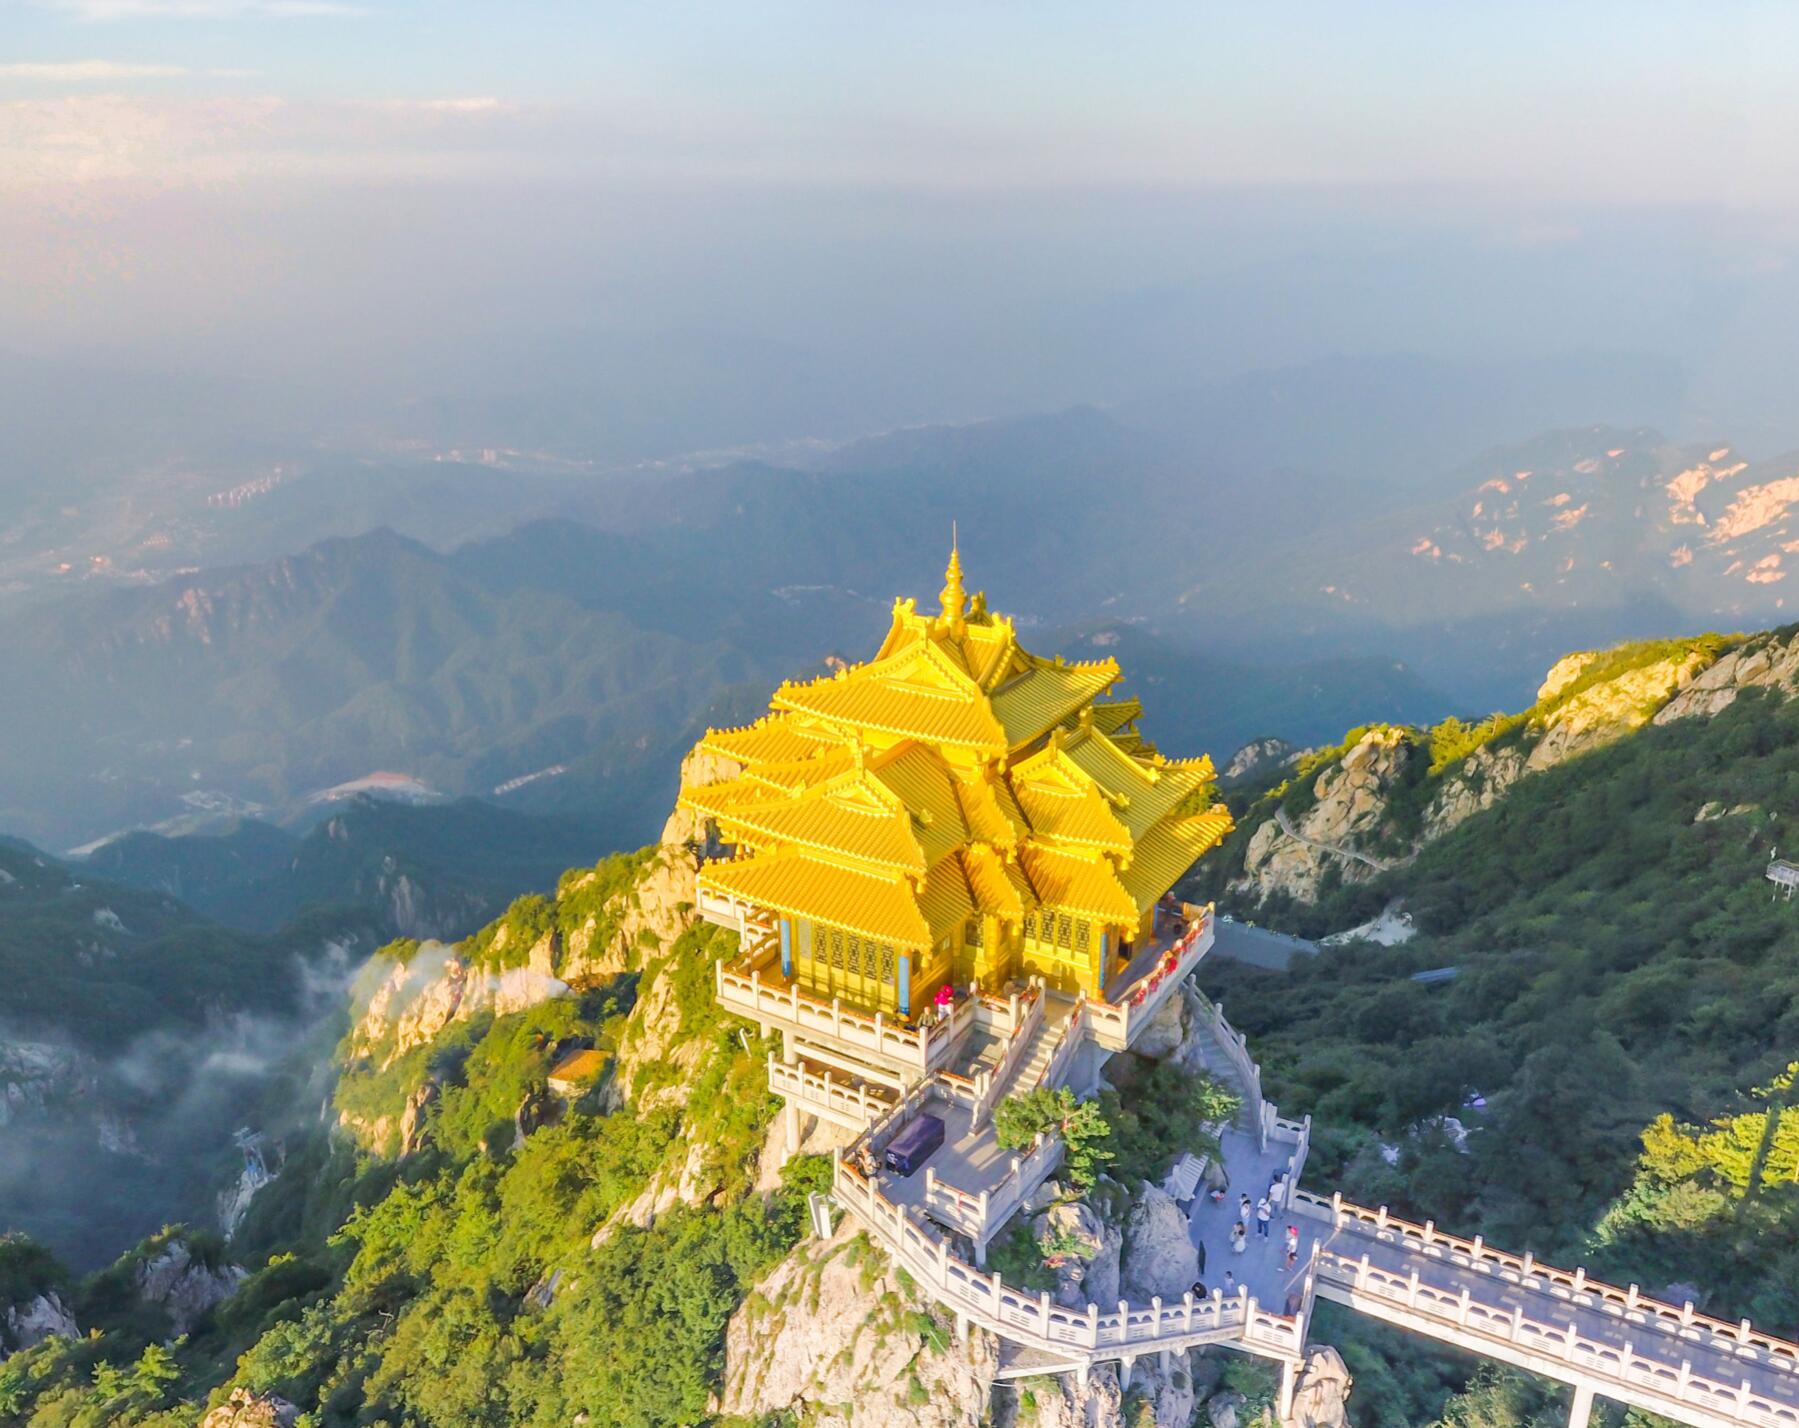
(1603, 1340)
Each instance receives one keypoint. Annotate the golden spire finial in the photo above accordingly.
(955, 599)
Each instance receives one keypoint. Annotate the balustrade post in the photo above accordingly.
(1461, 1316)
(1336, 1209)
(1187, 1302)
(1043, 1312)
(1380, 1218)
(1686, 1314)
(1743, 1332)
(1517, 1321)
(1411, 1294)
(1361, 1273)
(1155, 1311)
(1529, 1262)
(1630, 1297)
(1580, 1278)
(930, 1183)
(1476, 1252)
(1092, 1325)
(943, 1261)
(1430, 1228)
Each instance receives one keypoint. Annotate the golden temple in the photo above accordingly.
(957, 809)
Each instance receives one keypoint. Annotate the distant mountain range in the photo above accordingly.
(560, 666)
(1577, 538)
(438, 870)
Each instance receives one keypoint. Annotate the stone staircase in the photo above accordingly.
(1027, 1073)
(1220, 1067)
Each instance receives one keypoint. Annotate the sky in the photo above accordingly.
(912, 212)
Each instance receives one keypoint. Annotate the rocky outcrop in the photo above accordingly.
(1159, 1258)
(32, 1321)
(1258, 758)
(1350, 802)
(656, 910)
(183, 1285)
(834, 1337)
(1609, 710)
(656, 1037)
(1765, 663)
(1084, 1252)
(36, 1075)
(1479, 783)
(411, 1002)
(245, 1409)
(1321, 1397)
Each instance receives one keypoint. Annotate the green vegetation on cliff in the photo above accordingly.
(1623, 979)
(529, 1262)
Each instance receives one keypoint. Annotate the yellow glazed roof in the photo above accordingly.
(954, 774)
(883, 908)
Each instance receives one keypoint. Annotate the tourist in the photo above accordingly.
(1264, 1213)
(1198, 1291)
(1292, 1245)
(1230, 1282)
(1244, 1211)
(1239, 1237)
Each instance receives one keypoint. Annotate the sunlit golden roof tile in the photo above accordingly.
(880, 907)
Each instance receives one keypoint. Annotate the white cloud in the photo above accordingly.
(70, 70)
(483, 104)
(102, 10)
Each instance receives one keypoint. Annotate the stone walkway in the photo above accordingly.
(1262, 1265)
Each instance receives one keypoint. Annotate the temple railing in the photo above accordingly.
(828, 1094)
(917, 1048)
(1115, 1025)
(1739, 1339)
(981, 1214)
(1560, 1349)
(1235, 1046)
(1023, 1026)
(1033, 1319)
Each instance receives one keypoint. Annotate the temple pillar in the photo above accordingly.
(905, 984)
(787, 947)
(791, 1116)
(1580, 1414)
(1124, 1372)
(1289, 1382)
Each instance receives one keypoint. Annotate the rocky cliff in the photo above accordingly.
(1351, 813)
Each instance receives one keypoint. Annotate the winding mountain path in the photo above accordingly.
(1380, 865)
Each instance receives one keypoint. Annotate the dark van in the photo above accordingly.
(914, 1145)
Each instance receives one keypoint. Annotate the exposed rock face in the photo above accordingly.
(1610, 710)
(1564, 672)
(1481, 781)
(37, 1319)
(1159, 1258)
(1165, 1031)
(657, 909)
(184, 1286)
(1258, 757)
(1168, 1395)
(1321, 1398)
(1759, 664)
(1086, 1258)
(34, 1075)
(245, 1409)
(415, 1000)
(832, 1336)
(1351, 803)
